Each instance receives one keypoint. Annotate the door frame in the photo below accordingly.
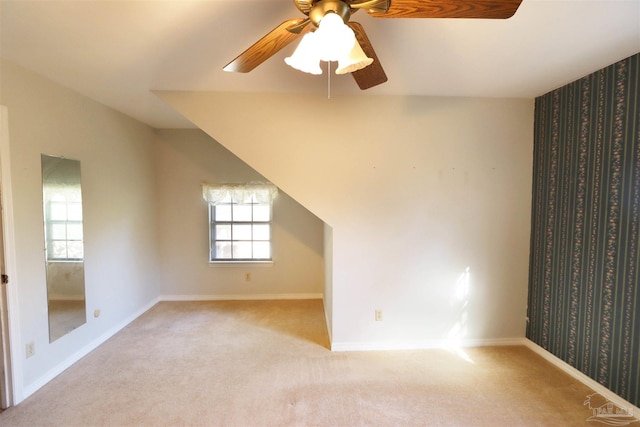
(10, 333)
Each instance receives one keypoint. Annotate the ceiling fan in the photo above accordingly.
(373, 74)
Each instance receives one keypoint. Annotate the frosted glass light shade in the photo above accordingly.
(305, 58)
(332, 41)
(334, 38)
(354, 61)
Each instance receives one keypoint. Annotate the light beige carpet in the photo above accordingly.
(65, 316)
(267, 363)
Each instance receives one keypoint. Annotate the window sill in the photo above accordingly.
(241, 263)
(62, 261)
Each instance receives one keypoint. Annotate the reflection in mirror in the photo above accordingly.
(64, 249)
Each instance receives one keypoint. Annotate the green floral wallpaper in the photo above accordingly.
(584, 279)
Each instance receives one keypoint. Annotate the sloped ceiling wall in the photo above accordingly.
(429, 201)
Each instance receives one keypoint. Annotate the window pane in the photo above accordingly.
(222, 250)
(241, 231)
(236, 227)
(74, 250)
(261, 213)
(58, 232)
(58, 211)
(222, 212)
(261, 232)
(223, 232)
(261, 250)
(74, 210)
(58, 249)
(241, 250)
(242, 212)
(74, 232)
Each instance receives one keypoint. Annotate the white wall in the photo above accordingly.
(428, 200)
(118, 186)
(328, 276)
(187, 158)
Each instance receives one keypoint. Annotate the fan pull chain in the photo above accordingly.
(328, 79)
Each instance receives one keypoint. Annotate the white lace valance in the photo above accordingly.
(240, 193)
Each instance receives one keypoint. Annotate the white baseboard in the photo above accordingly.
(421, 345)
(57, 370)
(251, 297)
(585, 379)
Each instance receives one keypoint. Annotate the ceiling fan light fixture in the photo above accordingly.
(305, 57)
(354, 61)
(333, 41)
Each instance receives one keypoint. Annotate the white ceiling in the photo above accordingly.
(119, 51)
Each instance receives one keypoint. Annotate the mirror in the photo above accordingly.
(64, 248)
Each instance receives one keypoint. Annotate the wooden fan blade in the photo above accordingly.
(373, 74)
(486, 9)
(265, 48)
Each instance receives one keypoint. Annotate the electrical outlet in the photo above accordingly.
(247, 277)
(378, 315)
(30, 349)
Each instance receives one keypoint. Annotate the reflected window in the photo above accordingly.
(240, 231)
(64, 230)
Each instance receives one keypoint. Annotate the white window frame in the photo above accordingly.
(50, 223)
(232, 240)
(250, 230)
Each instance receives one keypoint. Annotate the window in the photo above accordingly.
(240, 222)
(64, 231)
